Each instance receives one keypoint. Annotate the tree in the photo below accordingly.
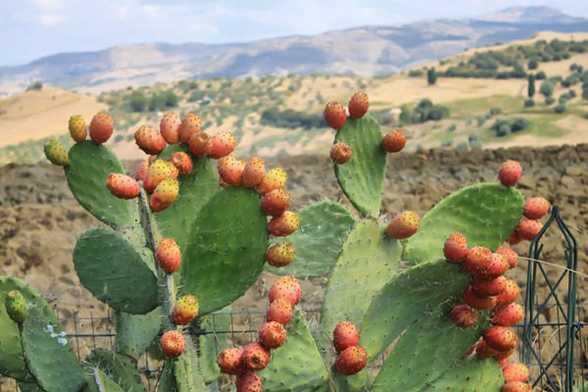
(431, 76)
(546, 89)
(533, 64)
(585, 91)
(531, 86)
(137, 101)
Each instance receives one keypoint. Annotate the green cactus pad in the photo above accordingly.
(324, 227)
(486, 213)
(100, 382)
(408, 298)
(90, 165)
(226, 251)
(469, 376)
(187, 371)
(368, 260)
(48, 355)
(121, 369)
(210, 344)
(297, 366)
(12, 360)
(29, 387)
(362, 177)
(129, 287)
(167, 380)
(136, 332)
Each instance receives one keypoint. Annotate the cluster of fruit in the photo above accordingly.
(336, 116)
(245, 361)
(352, 357)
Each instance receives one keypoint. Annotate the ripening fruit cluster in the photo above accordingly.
(184, 311)
(351, 357)
(245, 361)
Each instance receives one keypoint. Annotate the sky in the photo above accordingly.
(30, 29)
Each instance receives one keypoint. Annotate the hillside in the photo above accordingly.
(365, 51)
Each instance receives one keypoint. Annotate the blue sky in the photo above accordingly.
(33, 28)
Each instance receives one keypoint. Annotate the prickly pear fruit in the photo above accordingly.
(394, 141)
(122, 186)
(101, 127)
(16, 306)
(486, 288)
(477, 259)
(255, 356)
(198, 144)
(511, 256)
(77, 128)
(172, 343)
(510, 293)
(286, 287)
(514, 238)
(167, 191)
(341, 153)
(142, 170)
(358, 105)
(274, 179)
(496, 266)
(516, 386)
(515, 372)
(221, 145)
(464, 316)
(455, 248)
(510, 173)
(231, 170)
(345, 335)
(508, 315)
(158, 171)
(183, 162)
(476, 301)
(484, 351)
(351, 360)
(185, 310)
(56, 153)
(229, 360)
(536, 208)
(403, 225)
(335, 115)
(274, 203)
(272, 335)
(280, 311)
(169, 127)
(528, 228)
(500, 338)
(190, 125)
(249, 382)
(149, 140)
(284, 225)
(280, 255)
(253, 173)
(168, 255)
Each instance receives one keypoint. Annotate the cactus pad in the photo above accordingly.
(468, 376)
(136, 332)
(362, 178)
(211, 344)
(97, 259)
(187, 371)
(100, 382)
(486, 213)
(121, 369)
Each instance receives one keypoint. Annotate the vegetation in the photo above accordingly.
(291, 119)
(159, 100)
(35, 86)
(431, 76)
(505, 127)
(424, 111)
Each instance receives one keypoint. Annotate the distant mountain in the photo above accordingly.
(367, 50)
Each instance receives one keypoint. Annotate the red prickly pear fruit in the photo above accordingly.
(486, 288)
(358, 105)
(478, 302)
(284, 225)
(514, 238)
(351, 360)
(455, 249)
(335, 115)
(158, 171)
(272, 335)
(477, 259)
(168, 255)
(500, 338)
(341, 153)
(504, 362)
(185, 310)
(221, 145)
(231, 170)
(253, 173)
(190, 125)
(77, 128)
(101, 127)
(464, 316)
(511, 256)
(536, 208)
(458, 237)
(172, 343)
(156, 204)
(169, 127)
(142, 170)
(508, 315)
(280, 311)
(394, 141)
(510, 173)
(403, 225)
(274, 203)
(286, 287)
(249, 382)
(165, 193)
(122, 186)
(149, 140)
(230, 360)
(516, 386)
(515, 372)
(496, 267)
(280, 255)
(274, 179)
(484, 351)
(345, 335)
(255, 356)
(198, 144)
(528, 228)
(510, 293)
(182, 162)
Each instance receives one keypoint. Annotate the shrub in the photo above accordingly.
(35, 86)
(529, 103)
(137, 101)
(560, 108)
(533, 64)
